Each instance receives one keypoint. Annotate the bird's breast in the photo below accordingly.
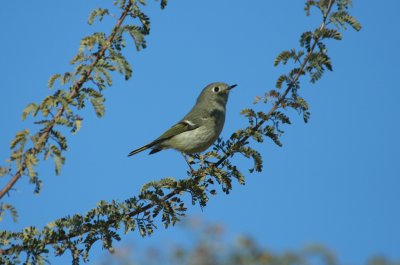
(197, 140)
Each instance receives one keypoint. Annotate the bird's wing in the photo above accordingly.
(180, 127)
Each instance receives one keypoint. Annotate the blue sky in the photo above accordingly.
(336, 179)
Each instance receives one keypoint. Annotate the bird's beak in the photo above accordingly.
(232, 86)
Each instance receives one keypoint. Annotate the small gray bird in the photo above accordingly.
(199, 129)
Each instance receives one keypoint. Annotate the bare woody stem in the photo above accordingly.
(78, 85)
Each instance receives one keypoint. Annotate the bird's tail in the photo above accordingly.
(134, 152)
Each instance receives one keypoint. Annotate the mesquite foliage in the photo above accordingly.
(161, 201)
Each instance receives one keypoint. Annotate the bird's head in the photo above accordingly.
(215, 94)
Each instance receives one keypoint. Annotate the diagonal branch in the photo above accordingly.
(282, 98)
(78, 85)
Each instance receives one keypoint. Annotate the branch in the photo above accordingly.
(282, 99)
(78, 85)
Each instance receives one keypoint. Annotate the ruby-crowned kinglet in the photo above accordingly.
(199, 129)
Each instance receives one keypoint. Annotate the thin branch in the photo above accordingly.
(288, 89)
(78, 85)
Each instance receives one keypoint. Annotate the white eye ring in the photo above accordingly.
(216, 89)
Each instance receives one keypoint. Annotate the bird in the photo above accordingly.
(198, 129)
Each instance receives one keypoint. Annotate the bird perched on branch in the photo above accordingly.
(199, 129)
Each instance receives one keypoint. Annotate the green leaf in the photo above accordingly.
(329, 34)
(77, 126)
(89, 42)
(282, 117)
(8, 207)
(353, 22)
(60, 139)
(137, 36)
(98, 105)
(59, 159)
(122, 65)
(281, 57)
(249, 153)
(285, 56)
(280, 80)
(270, 132)
(53, 79)
(103, 69)
(31, 108)
(97, 13)
(341, 18)
(305, 40)
(144, 19)
(20, 137)
(91, 92)
(30, 162)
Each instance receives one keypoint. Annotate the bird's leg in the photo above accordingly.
(190, 166)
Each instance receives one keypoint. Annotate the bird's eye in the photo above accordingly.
(216, 89)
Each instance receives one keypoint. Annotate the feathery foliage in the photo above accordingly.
(164, 200)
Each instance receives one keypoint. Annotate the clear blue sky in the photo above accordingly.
(335, 181)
